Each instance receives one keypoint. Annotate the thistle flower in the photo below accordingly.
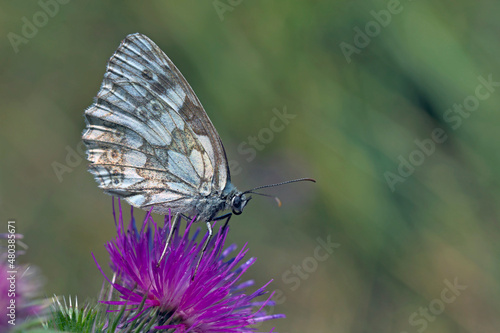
(215, 301)
(20, 287)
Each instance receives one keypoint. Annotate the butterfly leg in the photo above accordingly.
(177, 218)
(225, 216)
(209, 227)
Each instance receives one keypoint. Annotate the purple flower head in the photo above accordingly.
(20, 286)
(215, 301)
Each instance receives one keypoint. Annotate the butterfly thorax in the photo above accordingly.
(207, 208)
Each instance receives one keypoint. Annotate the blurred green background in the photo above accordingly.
(370, 84)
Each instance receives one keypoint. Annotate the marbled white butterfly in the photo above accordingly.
(150, 142)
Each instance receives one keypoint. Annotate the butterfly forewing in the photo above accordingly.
(139, 59)
(148, 138)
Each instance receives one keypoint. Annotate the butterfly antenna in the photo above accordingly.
(267, 195)
(279, 184)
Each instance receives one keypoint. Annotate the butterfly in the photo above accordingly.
(150, 142)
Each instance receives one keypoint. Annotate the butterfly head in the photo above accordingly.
(238, 202)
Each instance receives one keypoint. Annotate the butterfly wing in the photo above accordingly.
(148, 138)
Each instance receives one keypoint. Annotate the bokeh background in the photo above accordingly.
(369, 83)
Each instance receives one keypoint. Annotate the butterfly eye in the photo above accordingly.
(236, 205)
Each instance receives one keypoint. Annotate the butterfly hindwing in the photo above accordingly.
(148, 138)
